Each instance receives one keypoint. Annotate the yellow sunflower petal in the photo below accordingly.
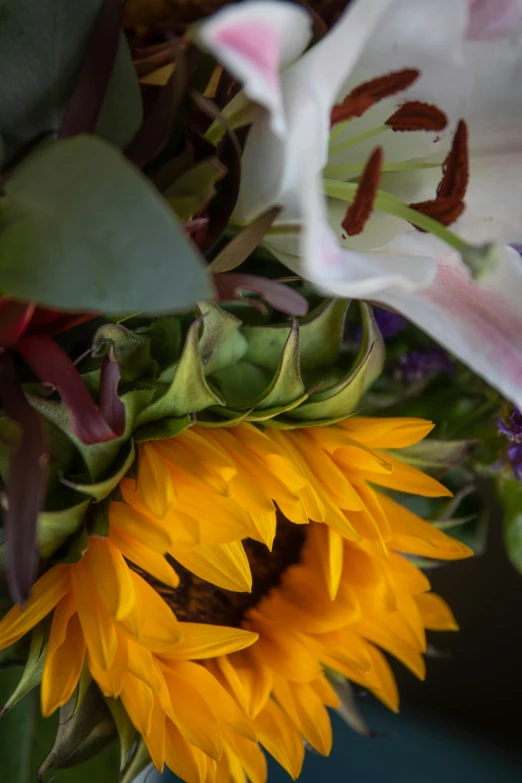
(112, 576)
(224, 565)
(142, 528)
(251, 757)
(245, 676)
(97, 624)
(280, 737)
(256, 678)
(193, 716)
(287, 653)
(141, 664)
(387, 692)
(46, 593)
(387, 433)
(155, 740)
(186, 761)
(385, 638)
(406, 575)
(370, 579)
(306, 710)
(158, 628)
(155, 483)
(326, 693)
(406, 478)
(200, 641)
(266, 451)
(413, 535)
(218, 698)
(435, 612)
(209, 453)
(149, 560)
(138, 700)
(63, 663)
(325, 473)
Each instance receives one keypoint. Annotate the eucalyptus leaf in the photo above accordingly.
(82, 229)
(42, 47)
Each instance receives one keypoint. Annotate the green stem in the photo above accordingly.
(345, 191)
(355, 169)
(354, 140)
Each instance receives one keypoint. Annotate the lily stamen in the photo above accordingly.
(361, 207)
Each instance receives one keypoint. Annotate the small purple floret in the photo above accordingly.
(390, 324)
(512, 429)
(422, 365)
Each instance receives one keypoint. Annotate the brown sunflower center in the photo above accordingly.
(198, 601)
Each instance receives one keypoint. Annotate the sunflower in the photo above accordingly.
(242, 567)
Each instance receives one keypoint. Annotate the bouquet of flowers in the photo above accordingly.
(261, 357)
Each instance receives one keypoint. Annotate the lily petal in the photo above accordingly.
(494, 18)
(480, 322)
(254, 41)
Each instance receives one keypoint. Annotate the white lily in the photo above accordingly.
(293, 157)
(494, 18)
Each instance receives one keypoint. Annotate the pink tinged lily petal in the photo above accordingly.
(254, 40)
(494, 18)
(479, 321)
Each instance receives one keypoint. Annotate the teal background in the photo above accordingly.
(411, 748)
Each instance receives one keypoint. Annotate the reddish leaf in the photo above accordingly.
(111, 407)
(228, 153)
(155, 131)
(52, 366)
(14, 320)
(87, 99)
(280, 296)
(26, 483)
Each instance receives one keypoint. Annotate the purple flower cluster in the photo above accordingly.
(422, 365)
(513, 430)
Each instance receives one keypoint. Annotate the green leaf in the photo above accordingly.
(42, 46)
(101, 489)
(221, 344)
(287, 386)
(54, 527)
(132, 352)
(159, 430)
(81, 734)
(510, 493)
(139, 761)
(192, 191)
(99, 456)
(341, 399)
(34, 666)
(189, 392)
(126, 731)
(320, 335)
(82, 229)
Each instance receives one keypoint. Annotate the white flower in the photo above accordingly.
(494, 18)
(436, 78)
